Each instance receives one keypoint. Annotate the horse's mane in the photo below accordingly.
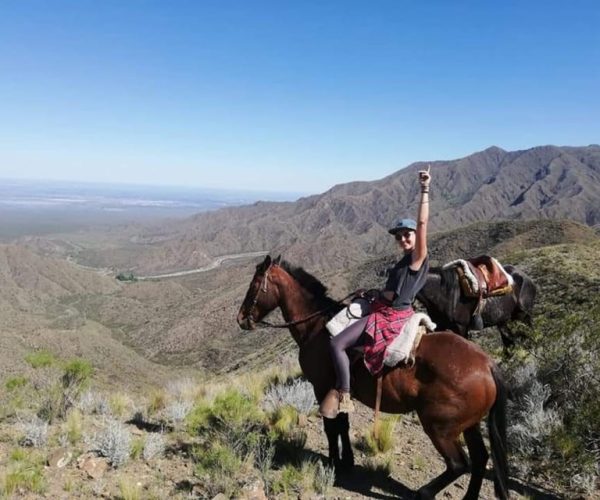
(306, 280)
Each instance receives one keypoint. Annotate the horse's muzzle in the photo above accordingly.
(245, 322)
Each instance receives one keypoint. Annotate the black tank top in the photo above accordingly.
(405, 282)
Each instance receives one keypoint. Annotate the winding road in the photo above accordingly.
(216, 263)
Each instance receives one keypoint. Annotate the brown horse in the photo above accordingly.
(452, 386)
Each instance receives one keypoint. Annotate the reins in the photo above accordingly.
(309, 317)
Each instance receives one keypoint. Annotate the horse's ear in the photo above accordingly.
(265, 264)
(277, 260)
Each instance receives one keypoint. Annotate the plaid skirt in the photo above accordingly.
(384, 325)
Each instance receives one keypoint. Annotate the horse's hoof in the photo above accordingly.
(424, 494)
(348, 462)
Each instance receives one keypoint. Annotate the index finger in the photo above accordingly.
(428, 167)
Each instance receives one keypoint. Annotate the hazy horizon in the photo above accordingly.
(42, 207)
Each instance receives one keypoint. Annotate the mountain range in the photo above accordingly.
(347, 224)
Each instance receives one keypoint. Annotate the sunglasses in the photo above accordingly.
(403, 234)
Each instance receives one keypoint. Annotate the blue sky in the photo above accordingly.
(287, 95)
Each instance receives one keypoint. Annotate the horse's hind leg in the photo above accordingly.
(456, 464)
(479, 457)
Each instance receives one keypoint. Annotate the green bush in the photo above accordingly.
(77, 372)
(13, 383)
(383, 442)
(60, 396)
(217, 466)
(40, 359)
(233, 418)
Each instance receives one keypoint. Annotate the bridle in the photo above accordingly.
(264, 288)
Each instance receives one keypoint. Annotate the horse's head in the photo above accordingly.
(262, 295)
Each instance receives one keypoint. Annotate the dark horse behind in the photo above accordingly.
(450, 309)
(452, 386)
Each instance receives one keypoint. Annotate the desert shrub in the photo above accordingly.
(554, 419)
(129, 489)
(218, 466)
(154, 447)
(74, 426)
(60, 391)
(23, 472)
(113, 442)
(297, 393)
(137, 447)
(77, 372)
(177, 411)
(233, 418)
(532, 422)
(40, 359)
(324, 479)
(14, 383)
(383, 442)
(290, 481)
(119, 403)
(35, 432)
(263, 454)
(288, 438)
(284, 419)
(157, 401)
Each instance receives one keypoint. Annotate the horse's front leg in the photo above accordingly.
(344, 433)
(338, 430)
(331, 431)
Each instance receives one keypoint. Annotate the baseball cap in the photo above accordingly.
(402, 225)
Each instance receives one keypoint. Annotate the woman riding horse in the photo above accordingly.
(391, 310)
(452, 386)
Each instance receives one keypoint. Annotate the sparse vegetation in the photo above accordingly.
(129, 490)
(113, 442)
(154, 446)
(14, 383)
(218, 465)
(296, 393)
(383, 441)
(74, 426)
(555, 414)
(35, 432)
(40, 359)
(24, 471)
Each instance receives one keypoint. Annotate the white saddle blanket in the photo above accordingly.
(347, 316)
(400, 348)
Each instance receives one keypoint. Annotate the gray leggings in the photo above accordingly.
(350, 337)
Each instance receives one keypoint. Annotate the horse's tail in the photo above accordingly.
(497, 434)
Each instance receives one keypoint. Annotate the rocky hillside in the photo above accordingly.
(347, 224)
(42, 306)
